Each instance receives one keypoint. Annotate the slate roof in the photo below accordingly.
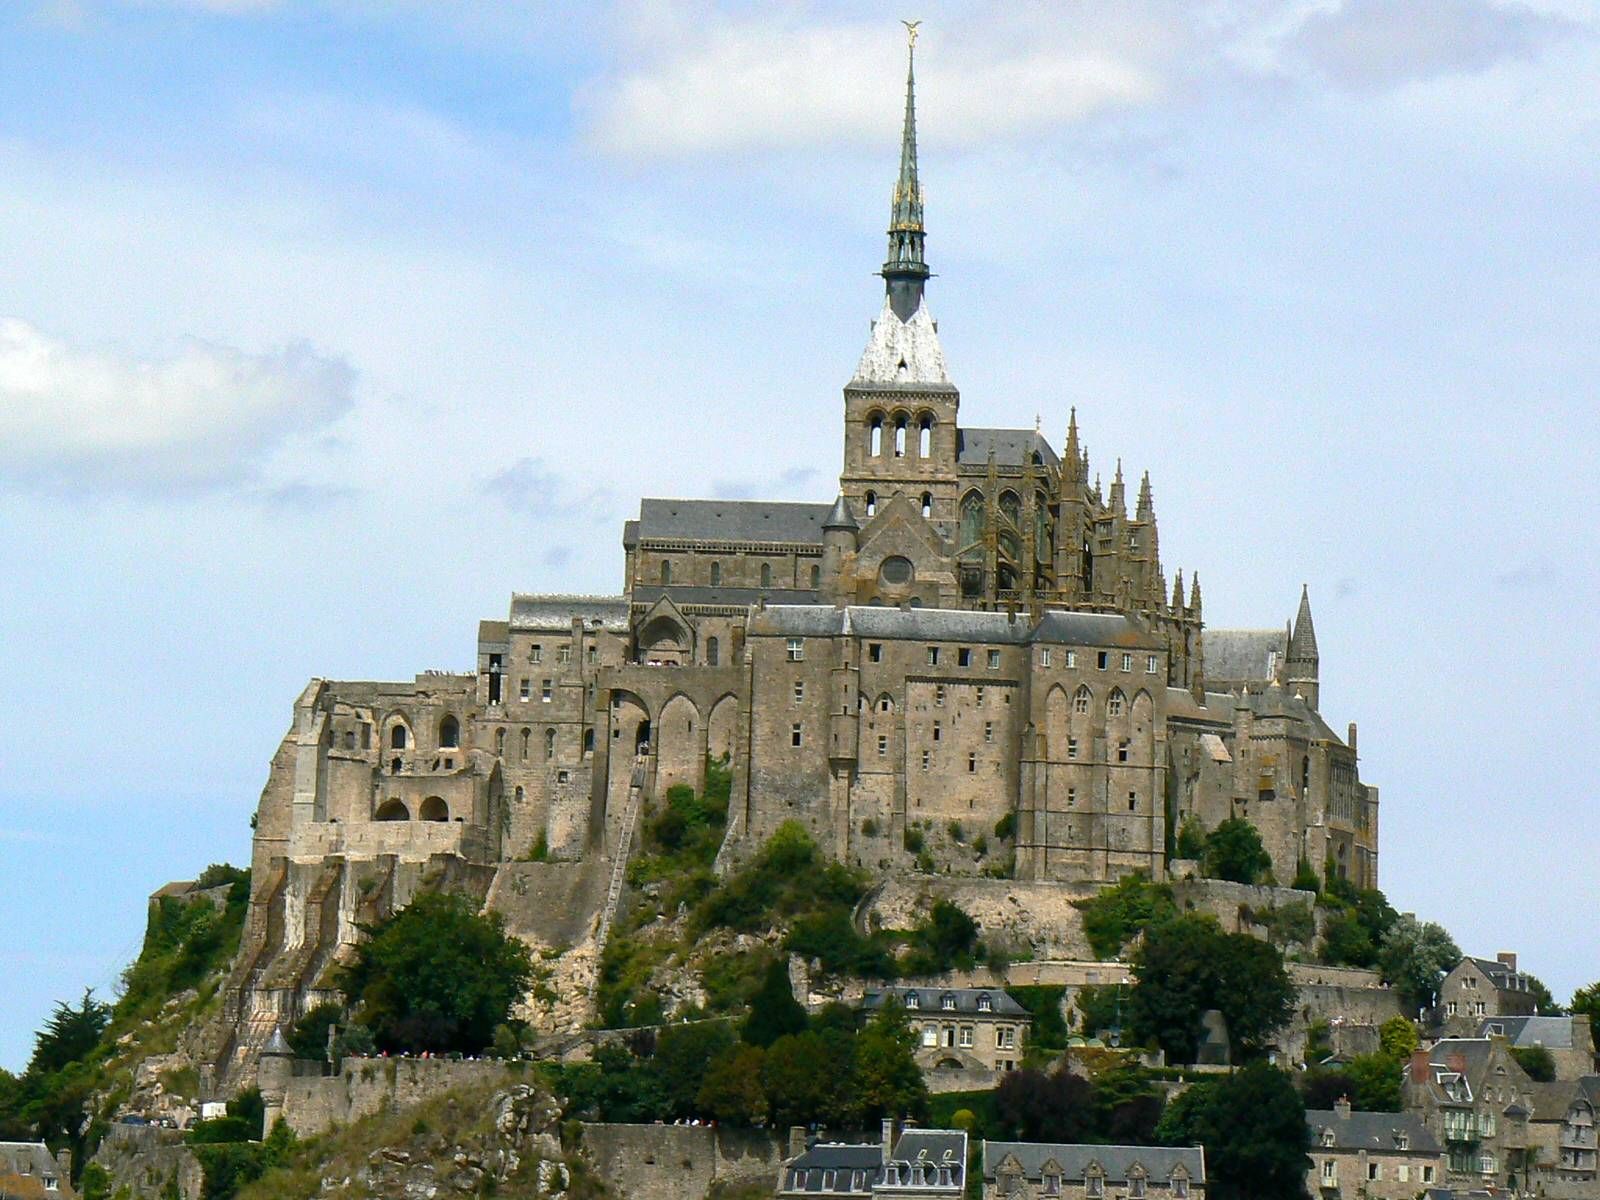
(1159, 1162)
(774, 521)
(726, 597)
(30, 1160)
(948, 625)
(1011, 447)
(1237, 655)
(936, 1147)
(1553, 1033)
(1502, 976)
(931, 1000)
(555, 612)
(903, 352)
(1370, 1130)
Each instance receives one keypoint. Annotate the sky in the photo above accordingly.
(325, 325)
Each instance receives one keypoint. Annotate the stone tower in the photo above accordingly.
(1301, 664)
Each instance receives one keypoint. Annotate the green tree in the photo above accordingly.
(774, 1011)
(1536, 1061)
(309, 1037)
(888, 1082)
(1188, 965)
(732, 1091)
(1037, 1107)
(437, 976)
(1191, 842)
(683, 1055)
(1543, 1002)
(1116, 914)
(1414, 957)
(948, 939)
(1586, 1003)
(1377, 1082)
(1398, 1037)
(1346, 942)
(1234, 852)
(1252, 1124)
(69, 1035)
(807, 1078)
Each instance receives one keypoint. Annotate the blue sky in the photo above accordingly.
(326, 325)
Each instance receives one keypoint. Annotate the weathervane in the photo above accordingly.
(911, 32)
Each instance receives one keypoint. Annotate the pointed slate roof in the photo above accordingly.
(840, 516)
(1303, 641)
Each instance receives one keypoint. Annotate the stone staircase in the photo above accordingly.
(619, 862)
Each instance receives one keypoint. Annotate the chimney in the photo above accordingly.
(64, 1164)
(1341, 1108)
(797, 1140)
(1508, 959)
(1419, 1066)
(888, 1139)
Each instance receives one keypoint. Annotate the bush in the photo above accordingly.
(869, 828)
(1536, 1061)
(309, 1037)
(1191, 839)
(1234, 852)
(912, 840)
(948, 939)
(1006, 827)
(957, 834)
(1113, 917)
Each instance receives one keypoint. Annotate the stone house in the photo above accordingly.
(1568, 1040)
(1562, 1134)
(1476, 1101)
(29, 1168)
(1381, 1156)
(921, 1164)
(1477, 988)
(960, 1029)
(1039, 1170)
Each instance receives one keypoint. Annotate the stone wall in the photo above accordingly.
(365, 1086)
(1013, 912)
(679, 1162)
(150, 1161)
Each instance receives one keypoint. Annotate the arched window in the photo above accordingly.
(875, 435)
(391, 810)
(527, 735)
(925, 436)
(666, 572)
(713, 651)
(927, 504)
(766, 574)
(716, 574)
(397, 738)
(816, 575)
(971, 519)
(434, 809)
(872, 504)
(1011, 508)
(900, 436)
(519, 796)
(886, 703)
(1305, 773)
(1081, 699)
(588, 741)
(549, 744)
(500, 743)
(449, 733)
(394, 766)
(1114, 703)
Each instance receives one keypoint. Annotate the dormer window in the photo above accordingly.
(1402, 1141)
(1052, 1185)
(913, 1000)
(1327, 1137)
(1136, 1187)
(1094, 1186)
(984, 1003)
(947, 1002)
(1180, 1187)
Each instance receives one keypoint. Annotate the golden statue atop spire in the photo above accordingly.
(911, 32)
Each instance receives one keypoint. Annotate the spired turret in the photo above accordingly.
(1303, 662)
(905, 270)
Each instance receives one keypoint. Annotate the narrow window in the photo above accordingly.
(794, 735)
(1122, 750)
(766, 574)
(938, 696)
(963, 657)
(938, 730)
(1114, 704)
(1133, 802)
(547, 691)
(666, 572)
(549, 744)
(796, 649)
(1072, 658)
(927, 505)
(1101, 659)
(713, 651)
(925, 438)
(527, 735)
(883, 746)
(799, 691)
(592, 654)
(900, 437)
(1127, 662)
(816, 576)
(1072, 797)
(716, 574)
(1044, 657)
(972, 764)
(397, 738)
(1080, 700)
(988, 731)
(535, 653)
(1150, 662)
(872, 504)
(522, 689)
(449, 733)
(499, 743)
(564, 652)
(994, 660)
(933, 656)
(980, 697)
(874, 651)
(875, 436)
(1072, 747)
(926, 759)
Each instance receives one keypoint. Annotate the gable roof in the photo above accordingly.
(772, 521)
(1553, 1033)
(1240, 655)
(555, 613)
(1370, 1130)
(1159, 1162)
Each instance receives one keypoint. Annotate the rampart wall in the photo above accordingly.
(680, 1162)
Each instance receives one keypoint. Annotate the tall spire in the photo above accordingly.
(1303, 635)
(904, 271)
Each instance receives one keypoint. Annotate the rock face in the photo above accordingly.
(518, 1152)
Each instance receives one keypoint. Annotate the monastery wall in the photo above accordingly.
(680, 1162)
(313, 1104)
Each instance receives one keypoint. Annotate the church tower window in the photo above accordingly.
(875, 435)
(766, 574)
(927, 505)
(716, 574)
(872, 504)
(900, 436)
(925, 437)
(1080, 700)
(666, 572)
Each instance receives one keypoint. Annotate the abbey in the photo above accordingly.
(969, 660)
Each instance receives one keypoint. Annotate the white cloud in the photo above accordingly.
(1370, 44)
(203, 418)
(724, 84)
